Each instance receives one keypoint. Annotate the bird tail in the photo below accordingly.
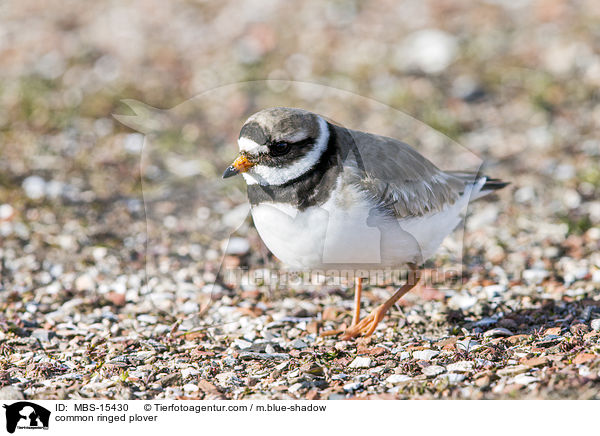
(483, 185)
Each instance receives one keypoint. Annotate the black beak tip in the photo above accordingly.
(230, 172)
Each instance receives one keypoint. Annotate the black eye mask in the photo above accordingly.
(282, 153)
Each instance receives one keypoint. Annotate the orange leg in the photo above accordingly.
(367, 326)
(357, 296)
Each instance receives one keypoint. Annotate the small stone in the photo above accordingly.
(237, 246)
(485, 322)
(404, 355)
(225, 377)
(361, 362)
(512, 370)
(311, 395)
(595, 324)
(484, 381)
(462, 366)
(433, 370)
(555, 331)
(500, 331)
(147, 319)
(189, 372)
(34, 187)
(298, 344)
(6, 212)
(11, 393)
(190, 387)
(116, 298)
(169, 379)
(454, 378)
(242, 344)
(312, 368)
(460, 301)
(448, 343)
(585, 371)
(516, 339)
(425, 354)
(430, 50)
(84, 283)
(535, 276)
(397, 378)
(43, 335)
(524, 379)
(535, 361)
(584, 357)
(295, 387)
(351, 387)
(190, 307)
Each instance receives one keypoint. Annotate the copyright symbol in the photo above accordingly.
(147, 407)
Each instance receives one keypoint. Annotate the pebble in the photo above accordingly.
(43, 335)
(397, 378)
(353, 386)
(462, 366)
(524, 379)
(242, 344)
(298, 344)
(190, 307)
(84, 283)
(430, 50)
(462, 301)
(454, 378)
(425, 354)
(6, 211)
(500, 331)
(535, 276)
(512, 370)
(34, 187)
(11, 393)
(147, 319)
(361, 362)
(433, 370)
(595, 324)
(189, 372)
(295, 387)
(485, 322)
(585, 371)
(190, 387)
(237, 246)
(225, 377)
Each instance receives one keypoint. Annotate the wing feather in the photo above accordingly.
(401, 180)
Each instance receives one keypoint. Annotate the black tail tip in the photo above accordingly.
(492, 184)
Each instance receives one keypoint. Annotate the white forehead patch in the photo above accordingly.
(249, 146)
(265, 175)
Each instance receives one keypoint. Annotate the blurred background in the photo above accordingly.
(513, 82)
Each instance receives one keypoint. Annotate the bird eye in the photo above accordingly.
(279, 148)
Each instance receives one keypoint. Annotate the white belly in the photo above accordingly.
(346, 233)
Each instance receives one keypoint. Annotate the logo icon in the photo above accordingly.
(26, 415)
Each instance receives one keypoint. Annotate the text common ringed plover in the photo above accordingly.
(324, 196)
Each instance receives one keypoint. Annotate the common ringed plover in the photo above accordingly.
(323, 196)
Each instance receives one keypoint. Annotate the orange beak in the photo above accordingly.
(240, 165)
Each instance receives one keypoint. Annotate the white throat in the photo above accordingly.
(263, 175)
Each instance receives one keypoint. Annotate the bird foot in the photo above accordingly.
(367, 325)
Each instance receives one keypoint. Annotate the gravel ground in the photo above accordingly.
(116, 277)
